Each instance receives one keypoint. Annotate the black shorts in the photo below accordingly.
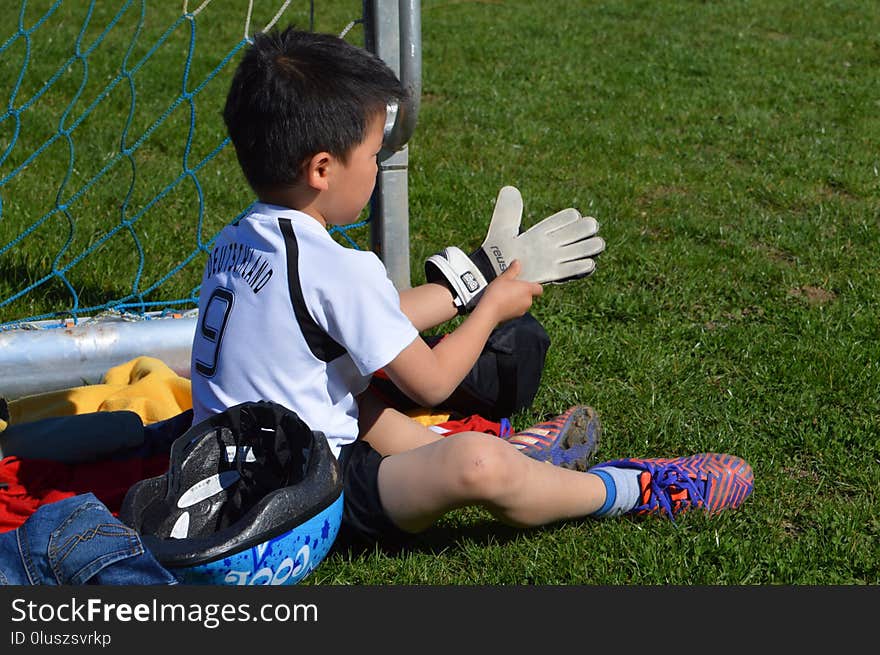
(364, 520)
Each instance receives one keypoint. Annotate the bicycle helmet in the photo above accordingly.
(252, 496)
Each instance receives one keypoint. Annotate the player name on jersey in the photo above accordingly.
(242, 260)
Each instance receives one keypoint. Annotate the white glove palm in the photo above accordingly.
(560, 248)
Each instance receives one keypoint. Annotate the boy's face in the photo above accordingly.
(354, 181)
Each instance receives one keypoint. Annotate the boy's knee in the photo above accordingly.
(483, 466)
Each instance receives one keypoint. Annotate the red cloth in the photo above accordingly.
(36, 482)
(474, 423)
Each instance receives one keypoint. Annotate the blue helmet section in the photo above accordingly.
(284, 560)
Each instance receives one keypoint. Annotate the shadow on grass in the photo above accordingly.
(434, 541)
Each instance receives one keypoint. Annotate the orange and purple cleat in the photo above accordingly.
(570, 440)
(708, 481)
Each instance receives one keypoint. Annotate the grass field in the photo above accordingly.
(731, 152)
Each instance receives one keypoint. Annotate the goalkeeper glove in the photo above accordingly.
(560, 248)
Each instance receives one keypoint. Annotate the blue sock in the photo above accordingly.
(621, 489)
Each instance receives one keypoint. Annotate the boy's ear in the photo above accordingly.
(318, 169)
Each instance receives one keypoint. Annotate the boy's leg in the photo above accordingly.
(418, 486)
(387, 430)
(426, 475)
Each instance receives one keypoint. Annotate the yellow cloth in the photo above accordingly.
(144, 385)
(427, 417)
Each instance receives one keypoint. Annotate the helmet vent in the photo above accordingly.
(181, 527)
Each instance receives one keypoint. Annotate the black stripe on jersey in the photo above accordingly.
(322, 345)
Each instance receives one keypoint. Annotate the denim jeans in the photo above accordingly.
(77, 541)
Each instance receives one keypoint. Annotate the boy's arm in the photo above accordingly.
(429, 375)
(428, 305)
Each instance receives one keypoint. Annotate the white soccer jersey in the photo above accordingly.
(289, 315)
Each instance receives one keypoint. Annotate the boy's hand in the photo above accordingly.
(507, 296)
(560, 248)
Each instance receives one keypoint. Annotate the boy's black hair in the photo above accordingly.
(296, 93)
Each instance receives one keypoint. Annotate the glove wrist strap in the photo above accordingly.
(459, 273)
(484, 264)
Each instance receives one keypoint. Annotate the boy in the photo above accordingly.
(289, 315)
